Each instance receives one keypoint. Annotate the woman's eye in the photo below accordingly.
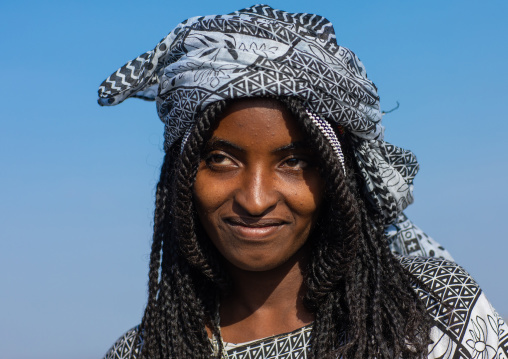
(296, 163)
(217, 159)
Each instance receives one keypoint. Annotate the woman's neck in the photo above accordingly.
(266, 303)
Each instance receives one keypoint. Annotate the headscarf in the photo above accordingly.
(260, 51)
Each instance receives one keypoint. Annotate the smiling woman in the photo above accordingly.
(279, 207)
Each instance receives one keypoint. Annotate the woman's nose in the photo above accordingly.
(257, 193)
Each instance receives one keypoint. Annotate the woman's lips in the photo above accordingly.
(252, 228)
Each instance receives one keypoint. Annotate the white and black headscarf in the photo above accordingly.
(260, 51)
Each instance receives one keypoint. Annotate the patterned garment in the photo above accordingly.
(292, 345)
(471, 330)
(405, 238)
(260, 51)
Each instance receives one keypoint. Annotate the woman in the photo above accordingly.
(278, 202)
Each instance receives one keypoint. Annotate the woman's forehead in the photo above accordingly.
(259, 121)
(257, 105)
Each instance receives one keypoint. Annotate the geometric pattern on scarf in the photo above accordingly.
(260, 51)
(449, 281)
(405, 238)
(388, 172)
(472, 328)
(126, 347)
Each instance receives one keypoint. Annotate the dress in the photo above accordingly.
(472, 330)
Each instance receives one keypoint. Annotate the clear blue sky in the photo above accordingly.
(77, 181)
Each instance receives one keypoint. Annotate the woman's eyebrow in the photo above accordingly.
(216, 143)
(292, 146)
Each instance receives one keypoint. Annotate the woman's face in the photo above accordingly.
(258, 188)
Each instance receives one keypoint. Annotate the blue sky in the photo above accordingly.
(78, 180)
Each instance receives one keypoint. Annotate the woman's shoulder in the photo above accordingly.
(445, 287)
(464, 320)
(447, 290)
(127, 346)
(443, 276)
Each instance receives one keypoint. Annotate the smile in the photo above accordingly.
(252, 229)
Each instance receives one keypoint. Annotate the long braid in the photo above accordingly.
(161, 225)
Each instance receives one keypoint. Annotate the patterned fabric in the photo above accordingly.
(125, 347)
(405, 238)
(465, 324)
(292, 345)
(260, 51)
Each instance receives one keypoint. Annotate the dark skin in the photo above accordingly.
(265, 303)
(258, 192)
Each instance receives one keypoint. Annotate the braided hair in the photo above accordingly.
(361, 296)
